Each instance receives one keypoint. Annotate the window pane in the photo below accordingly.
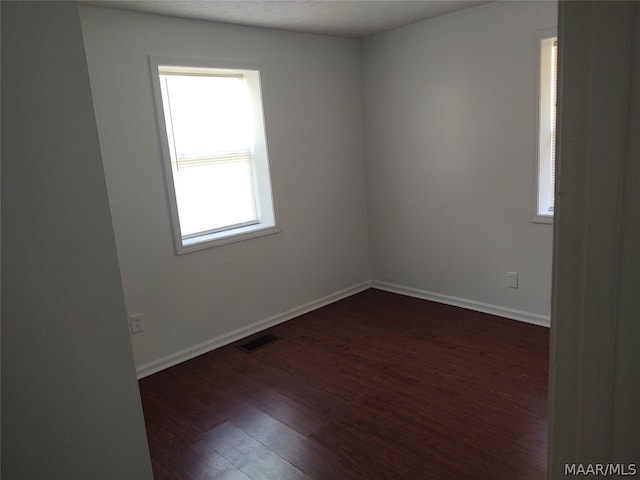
(547, 128)
(209, 126)
(214, 196)
(215, 153)
(554, 106)
(209, 114)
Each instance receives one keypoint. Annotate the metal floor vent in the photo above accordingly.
(257, 343)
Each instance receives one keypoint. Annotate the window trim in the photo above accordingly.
(266, 224)
(538, 217)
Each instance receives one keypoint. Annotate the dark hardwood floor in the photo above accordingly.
(376, 386)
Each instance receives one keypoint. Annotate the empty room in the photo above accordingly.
(316, 240)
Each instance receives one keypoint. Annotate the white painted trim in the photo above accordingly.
(546, 219)
(227, 338)
(222, 340)
(266, 219)
(520, 315)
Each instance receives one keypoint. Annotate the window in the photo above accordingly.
(215, 155)
(547, 98)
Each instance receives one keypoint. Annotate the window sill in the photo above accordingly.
(548, 219)
(224, 238)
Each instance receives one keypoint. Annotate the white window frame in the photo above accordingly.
(544, 162)
(266, 223)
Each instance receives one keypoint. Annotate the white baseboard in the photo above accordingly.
(528, 317)
(222, 340)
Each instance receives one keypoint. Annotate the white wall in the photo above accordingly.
(70, 403)
(311, 88)
(449, 142)
(450, 148)
(594, 380)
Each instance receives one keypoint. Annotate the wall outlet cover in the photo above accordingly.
(136, 323)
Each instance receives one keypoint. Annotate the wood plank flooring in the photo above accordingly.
(376, 386)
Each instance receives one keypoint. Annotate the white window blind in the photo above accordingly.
(210, 134)
(547, 100)
(554, 107)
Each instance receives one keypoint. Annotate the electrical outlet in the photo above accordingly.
(136, 323)
(512, 279)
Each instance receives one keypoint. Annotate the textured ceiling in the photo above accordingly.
(351, 18)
